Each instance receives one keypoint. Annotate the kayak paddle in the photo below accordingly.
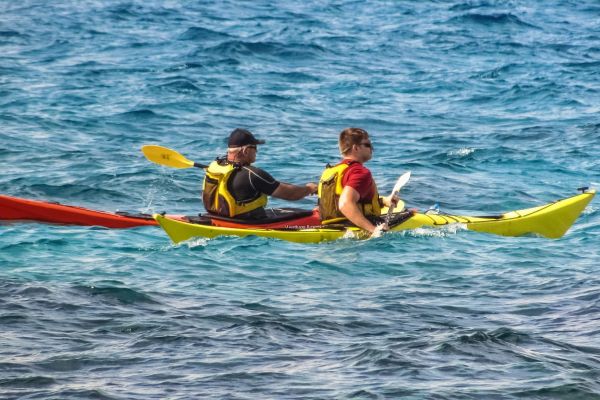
(399, 184)
(168, 158)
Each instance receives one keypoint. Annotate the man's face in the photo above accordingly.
(250, 153)
(365, 149)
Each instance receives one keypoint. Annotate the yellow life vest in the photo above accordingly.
(216, 196)
(329, 192)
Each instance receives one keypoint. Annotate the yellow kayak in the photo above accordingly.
(550, 220)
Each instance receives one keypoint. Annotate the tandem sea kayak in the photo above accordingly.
(550, 220)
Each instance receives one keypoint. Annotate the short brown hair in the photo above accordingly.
(351, 136)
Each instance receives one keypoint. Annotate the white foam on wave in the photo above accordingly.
(349, 235)
(462, 152)
(194, 242)
(440, 232)
(589, 210)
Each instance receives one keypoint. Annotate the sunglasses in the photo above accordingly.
(251, 146)
(367, 144)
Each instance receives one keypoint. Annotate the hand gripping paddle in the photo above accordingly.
(399, 184)
(168, 158)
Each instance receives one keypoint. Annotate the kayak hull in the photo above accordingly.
(551, 221)
(180, 231)
(15, 209)
(18, 209)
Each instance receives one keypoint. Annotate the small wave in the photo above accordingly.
(81, 360)
(367, 394)
(227, 61)
(27, 382)
(8, 319)
(561, 47)
(95, 394)
(197, 33)
(34, 291)
(9, 33)
(122, 295)
(150, 341)
(589, 210)
(565, 391)
(180, 86)
(520, 91)
(270, 327)
(505, 335)
(241, 48)
(465, 6)
(70, 191)
(379, 358)
(497, 72)
(193, 243)
(590, 130)
(237, 47)
(504, 340)
(140, 114)
(38, 244)
(587, 64)
(441, 232)
(275, 98)
(86, 65)
(7, 38)
(296, 76)
(371, 122)
(538, 132)
(124, 11)
(184, 66)
(462, 152)
(492, 19)
(104, 69)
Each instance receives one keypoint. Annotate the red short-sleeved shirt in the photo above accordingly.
(360, 179)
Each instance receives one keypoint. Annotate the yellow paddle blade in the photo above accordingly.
(167, 157)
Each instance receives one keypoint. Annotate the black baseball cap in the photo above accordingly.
(242, 137)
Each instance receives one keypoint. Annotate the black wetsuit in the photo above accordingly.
(248, 183)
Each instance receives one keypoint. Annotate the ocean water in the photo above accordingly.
(492, 105)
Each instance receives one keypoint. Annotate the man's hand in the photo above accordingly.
(312, 188)
(389, 200)
(379, 229)
(288, 191)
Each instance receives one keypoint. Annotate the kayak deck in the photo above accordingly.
(550, 220)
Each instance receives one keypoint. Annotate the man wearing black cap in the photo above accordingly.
(234, 188)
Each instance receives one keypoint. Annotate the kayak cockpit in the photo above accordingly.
(275, 217)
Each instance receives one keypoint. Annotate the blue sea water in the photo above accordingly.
(493, 106)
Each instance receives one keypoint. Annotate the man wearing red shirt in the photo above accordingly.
(358, 200)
